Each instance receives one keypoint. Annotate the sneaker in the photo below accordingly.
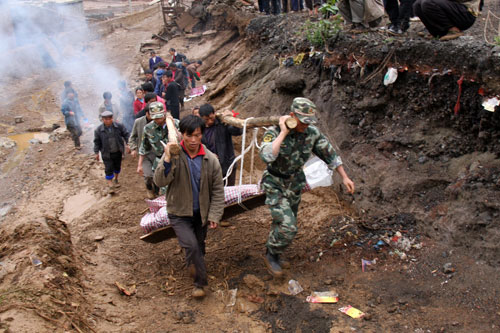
(394, 30)
(273, 265)
(198, 292)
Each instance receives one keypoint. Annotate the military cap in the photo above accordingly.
(305, 110)
(156, 110)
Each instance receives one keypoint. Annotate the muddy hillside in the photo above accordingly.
(415, 248)
(423, 150)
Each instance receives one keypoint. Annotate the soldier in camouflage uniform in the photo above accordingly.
(285, 152)
(154, 133)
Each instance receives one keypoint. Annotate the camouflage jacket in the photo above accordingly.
(296, 150)
(151, 137)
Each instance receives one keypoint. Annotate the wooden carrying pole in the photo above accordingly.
(255, 122)
(172, 136)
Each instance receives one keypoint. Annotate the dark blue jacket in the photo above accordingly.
(71, 106)
(153, 64)
(224, 143)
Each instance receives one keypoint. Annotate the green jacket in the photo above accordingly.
(179, 193)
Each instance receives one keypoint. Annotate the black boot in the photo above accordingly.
(273, 265)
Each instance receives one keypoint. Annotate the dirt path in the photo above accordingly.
(87, 240)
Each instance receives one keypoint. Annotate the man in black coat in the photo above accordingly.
(217, 137)
(110, 139)
(172, 94)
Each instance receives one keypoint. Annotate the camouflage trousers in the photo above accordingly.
(283, 198)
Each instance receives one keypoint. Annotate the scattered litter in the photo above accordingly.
(323, 297)
(98, 238)
(352, 312)
(18, 119)
(378, 245)
(198, 91)
(448, 268)
(294, 287)
(365, 263)
(232, 297)
(124, 291)
(35, 261)
(297, 60)
(490, 104)
(457, 105)
(187, 99)
(391, 76)
(400, 254)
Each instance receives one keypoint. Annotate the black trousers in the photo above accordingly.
(439, 16)
(399, 12)
(174, 110)
(112, 165)
(191, 235)
(76, 132)
(271, 4)
(231, 180)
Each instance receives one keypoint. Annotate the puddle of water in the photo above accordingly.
(76, 205)
(22, 143)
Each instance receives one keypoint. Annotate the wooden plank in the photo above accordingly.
(159, 235)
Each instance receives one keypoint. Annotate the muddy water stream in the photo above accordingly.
(22, 143)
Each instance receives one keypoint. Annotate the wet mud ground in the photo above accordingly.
(87, 240)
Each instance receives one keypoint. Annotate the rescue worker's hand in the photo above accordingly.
(134, 153)
(97, 157)
(213, 225)
(71, 113)
(139, 169)
(127, 149)
(167, 150)
(349, 184)
(282, 124)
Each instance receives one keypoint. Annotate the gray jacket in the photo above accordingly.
(136, 136)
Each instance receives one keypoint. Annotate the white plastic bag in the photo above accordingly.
(391, 76)
(317, 173)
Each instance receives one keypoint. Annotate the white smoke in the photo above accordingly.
(54, 39)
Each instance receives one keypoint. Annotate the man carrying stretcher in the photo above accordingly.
(195, 195)
(286, 151)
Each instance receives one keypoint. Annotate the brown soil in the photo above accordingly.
(419, 170)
